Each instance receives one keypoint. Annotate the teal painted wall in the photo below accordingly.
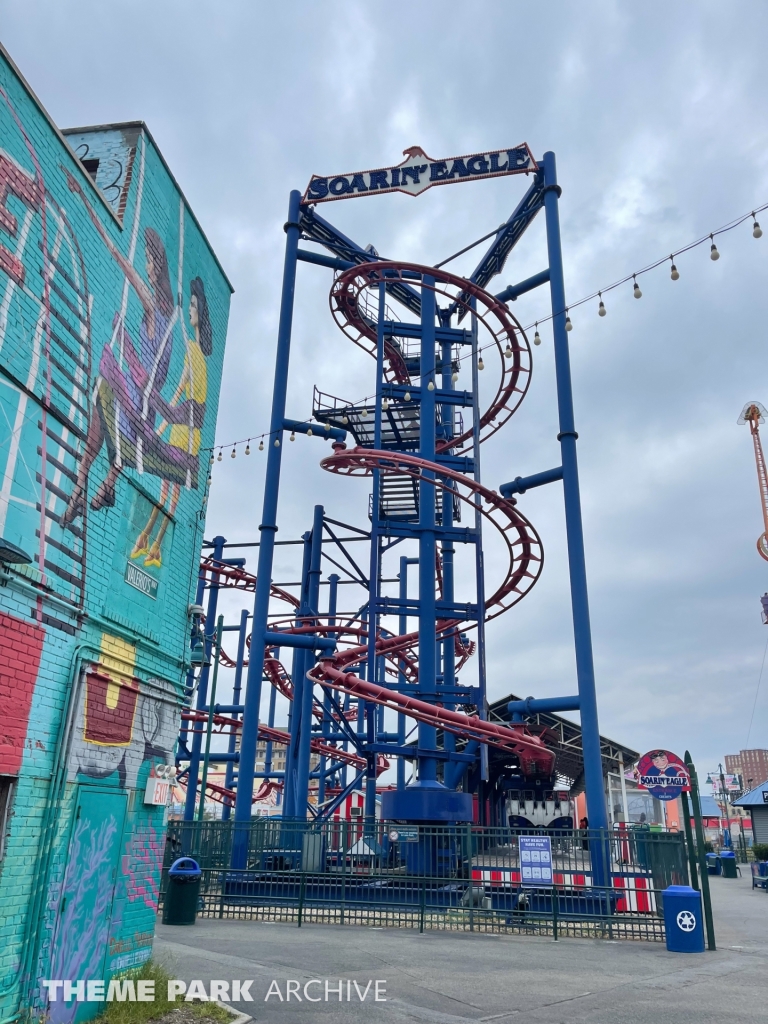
(113, 319)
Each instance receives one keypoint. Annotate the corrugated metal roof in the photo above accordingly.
(709, 807)
(756, 797)
(564, 737)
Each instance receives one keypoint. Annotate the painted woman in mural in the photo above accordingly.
(193, 388)
(127, 395)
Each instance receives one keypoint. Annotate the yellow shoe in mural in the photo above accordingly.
(141, 546)
(153, 557)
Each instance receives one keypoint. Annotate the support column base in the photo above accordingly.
(427, 802)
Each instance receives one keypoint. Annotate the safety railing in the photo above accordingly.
(603, 884)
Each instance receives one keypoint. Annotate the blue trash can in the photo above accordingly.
(714, 867)
(683, 919)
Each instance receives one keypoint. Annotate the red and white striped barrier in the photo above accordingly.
(636, 893)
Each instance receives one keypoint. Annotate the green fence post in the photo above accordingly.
(554, 913)
(422, 907)
(710, 925)
(689, 841)
(301, 897)
(471, 878)
(343, 852)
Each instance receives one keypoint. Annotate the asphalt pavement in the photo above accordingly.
(458, 977)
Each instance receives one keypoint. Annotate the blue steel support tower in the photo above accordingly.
(402, 653)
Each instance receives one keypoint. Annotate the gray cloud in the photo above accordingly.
(657, 116)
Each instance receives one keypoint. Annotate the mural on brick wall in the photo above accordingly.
(140, 428)
(120, 721)
(113, 314)
(123, 372)
(82, 928)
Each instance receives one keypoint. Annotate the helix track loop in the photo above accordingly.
(523, 544)
(353, 314)
(354, 303)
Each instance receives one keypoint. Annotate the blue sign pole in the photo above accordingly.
(298, 662)
(374, 573)
(202, 689)
(268, 530)
(305, 724)
(229, 775)
(585, 670)
(401, 678)
(427, 546)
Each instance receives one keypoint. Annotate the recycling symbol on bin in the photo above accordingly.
(686, 921)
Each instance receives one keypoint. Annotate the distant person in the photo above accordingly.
(584, 826)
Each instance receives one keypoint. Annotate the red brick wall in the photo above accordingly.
(21, 645)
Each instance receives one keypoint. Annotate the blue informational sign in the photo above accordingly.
(404, 834)
(535, 860)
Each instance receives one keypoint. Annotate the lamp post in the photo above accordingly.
(703, 874)
(727, 830)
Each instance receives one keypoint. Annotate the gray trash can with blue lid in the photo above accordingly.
(183, 892)
(728, 863)
(714, 866)
(683, 919)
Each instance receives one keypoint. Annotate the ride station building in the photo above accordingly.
(113, 320)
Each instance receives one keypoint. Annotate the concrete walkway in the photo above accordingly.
(456, 978)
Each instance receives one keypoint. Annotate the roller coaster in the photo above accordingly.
(359, 681)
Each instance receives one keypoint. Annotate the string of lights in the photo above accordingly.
(261, 438)
(674, 273)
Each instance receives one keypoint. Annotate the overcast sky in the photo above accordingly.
(657, 114)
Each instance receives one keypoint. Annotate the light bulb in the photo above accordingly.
(345, 420)
(537, 338)
(212, 458)
(454, 376)
(636, 291)
(261, 446)
(674, 273)
(234, 454)
(277, 442)
(219, 457)
(407, 396)
(568, 324)
(713, 253)
(293, 435)
(601, 310)
(363, 412)
(508, 351)
(480, 363)
(247, 449)
(757, 231)
(430, 386)
(384, 404)
(327, 427)
(309, 431)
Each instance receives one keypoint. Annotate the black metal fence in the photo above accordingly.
(466, 878)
